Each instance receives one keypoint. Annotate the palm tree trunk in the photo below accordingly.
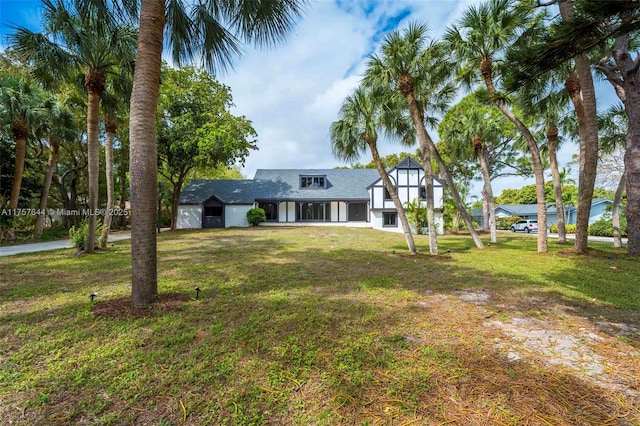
(21, 154)
(110, 128)
(485, 210)
(587, 115)
(54, 147)
(143, 153)
(538, 171)
(481, 153)
(418, 122)
(615, 212)
(402, 216)
(552, 139)
(93, 154)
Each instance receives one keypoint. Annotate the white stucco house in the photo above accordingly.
(349, 197)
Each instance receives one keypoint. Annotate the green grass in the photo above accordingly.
(308, 326)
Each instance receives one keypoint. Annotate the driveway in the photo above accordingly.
(53, 245)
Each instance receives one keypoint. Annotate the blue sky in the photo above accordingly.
(292, 93)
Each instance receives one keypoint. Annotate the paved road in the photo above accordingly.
(591, 238)
(52, 245)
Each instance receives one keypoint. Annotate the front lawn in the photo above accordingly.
(323, 326)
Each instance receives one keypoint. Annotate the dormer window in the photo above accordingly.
(312, 182)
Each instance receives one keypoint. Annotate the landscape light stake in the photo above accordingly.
(198, 292)
(93, 296)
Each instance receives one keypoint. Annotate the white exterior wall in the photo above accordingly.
(189, 217)
(236, 216)
(338, 211)
(376, 223)
(287, 211)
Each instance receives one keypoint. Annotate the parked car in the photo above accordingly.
(525, 226)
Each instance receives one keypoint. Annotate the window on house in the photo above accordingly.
(312, 182)
(270, 210)
(387, 195)
(215, 211)
(390, 219)
(422, 192)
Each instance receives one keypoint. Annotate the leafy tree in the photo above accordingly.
(195, 128)
(470, 130)
(362, 116)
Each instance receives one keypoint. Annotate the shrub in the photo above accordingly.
(506, 222)
(78, 234)
(256, 215)
(604, 227)
(569, 229)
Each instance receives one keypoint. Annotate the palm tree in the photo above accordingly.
(74, 42)
(20, 109)
(477, 41)
(212, 31)
(613, 131)
(58, 127)
(363, 114)
(545, 100)
(115, 99)
(417, 69)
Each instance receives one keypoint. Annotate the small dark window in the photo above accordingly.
(213, 211)
(387, 195)
(270, 210)
(423, 193)
(389, 219)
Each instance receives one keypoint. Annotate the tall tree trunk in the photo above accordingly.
(552, 139)
(487, 190)
(402, 216)
(175, 203)
(626, 82)
(587, 114)
(20, 133)
(111, 127)
(615, 212)
(93, 157)
(485, 209)
(54, 147)
(486, 69)
(632, 165)
(428, 187)
(122, 219)
(143, 167)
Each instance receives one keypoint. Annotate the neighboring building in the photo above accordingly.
(530, 211)
(351, 197)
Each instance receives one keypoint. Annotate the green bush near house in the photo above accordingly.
(569, 229)
(256, 215)
(604, 227)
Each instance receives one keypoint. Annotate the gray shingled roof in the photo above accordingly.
(341, 184)
(282, 185)
(227, 191)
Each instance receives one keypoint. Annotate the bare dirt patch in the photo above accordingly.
(122, 307)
